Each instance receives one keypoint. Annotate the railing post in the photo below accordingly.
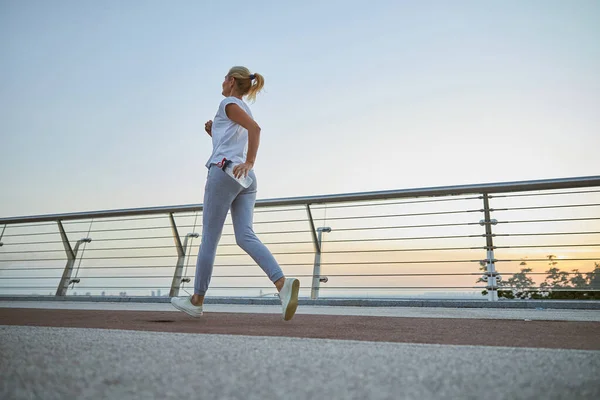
(65, 281)
(317, 279)
(491, 274)
(317, 242)
(181, 250)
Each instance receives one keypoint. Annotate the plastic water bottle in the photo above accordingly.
(245, 181)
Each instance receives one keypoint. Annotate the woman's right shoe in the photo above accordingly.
(289, 297)
(185, 304)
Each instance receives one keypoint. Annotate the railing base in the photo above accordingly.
(344, 302)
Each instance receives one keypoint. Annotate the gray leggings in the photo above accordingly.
(221, 193)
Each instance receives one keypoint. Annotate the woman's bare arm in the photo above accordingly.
(241, 117)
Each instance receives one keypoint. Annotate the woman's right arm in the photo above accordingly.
(240, 117)
(208, 127)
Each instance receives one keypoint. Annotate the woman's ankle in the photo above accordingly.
(279, 283)
(197, 300)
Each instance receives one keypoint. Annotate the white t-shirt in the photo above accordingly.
(230, 140)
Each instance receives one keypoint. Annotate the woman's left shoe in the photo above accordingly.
(185, 304)
(289, 297)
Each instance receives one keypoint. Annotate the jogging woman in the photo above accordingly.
(235, 137)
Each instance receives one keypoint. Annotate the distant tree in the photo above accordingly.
(577, 280)
(520, 280)
(521, 286)
(593, 278)
(555, 278)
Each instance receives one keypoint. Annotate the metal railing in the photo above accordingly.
(442, 241)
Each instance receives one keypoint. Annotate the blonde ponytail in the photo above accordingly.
(247, 84)
(257, 84)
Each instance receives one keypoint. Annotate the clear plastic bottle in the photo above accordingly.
(245, 181)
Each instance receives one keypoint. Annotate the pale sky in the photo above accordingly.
(103, 104)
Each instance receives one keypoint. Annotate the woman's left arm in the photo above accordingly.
(241, 117)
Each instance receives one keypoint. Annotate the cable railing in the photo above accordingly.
(531, 239)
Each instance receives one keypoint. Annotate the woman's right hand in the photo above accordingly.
(208, 127)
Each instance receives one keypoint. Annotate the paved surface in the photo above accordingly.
(515, 333)
(414, 312)
(64, 350)
(66, 363)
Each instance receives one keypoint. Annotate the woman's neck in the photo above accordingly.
(234, 94)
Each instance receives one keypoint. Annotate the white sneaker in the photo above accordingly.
(289, 297)
(185, 304)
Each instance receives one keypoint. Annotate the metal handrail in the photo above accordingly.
(337, 256)
(504, 187)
